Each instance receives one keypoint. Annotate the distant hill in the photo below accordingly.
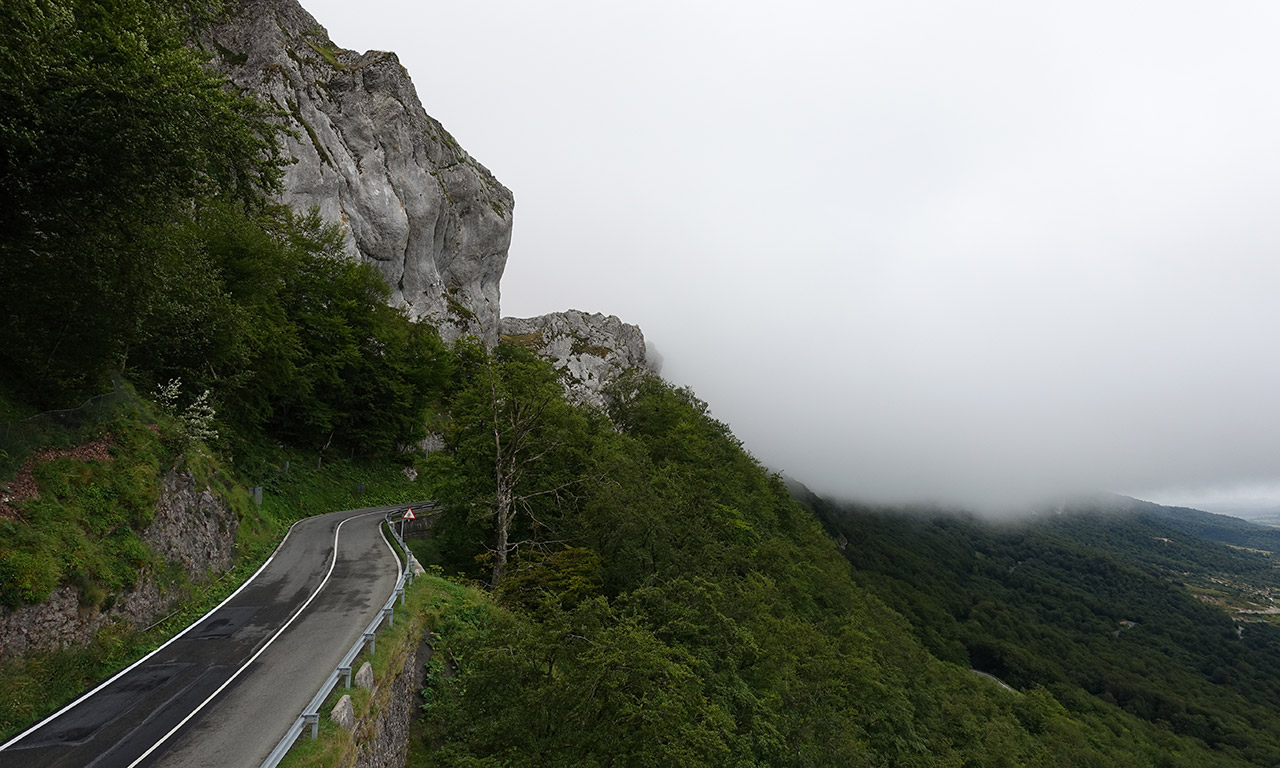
(1163, 612)
(1215, 527)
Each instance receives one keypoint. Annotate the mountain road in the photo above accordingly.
(225, 690)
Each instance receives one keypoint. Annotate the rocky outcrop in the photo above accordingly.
(411, 201)
(191, 528)
(344, 714)
(591, 349)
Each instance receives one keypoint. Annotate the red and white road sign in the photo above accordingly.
(408, 514)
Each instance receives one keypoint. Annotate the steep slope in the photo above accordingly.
(669, 604)
(1220, 528)
(434, 221)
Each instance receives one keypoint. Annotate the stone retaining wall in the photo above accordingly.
(382, 738)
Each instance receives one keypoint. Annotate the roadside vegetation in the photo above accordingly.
(161, 313)
(336, 746)
(149, 276)
(664, 600)
(39, 683)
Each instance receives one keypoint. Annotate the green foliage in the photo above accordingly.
(681, 609)
(83, 533)
(39, 683)
(83, 528)
(660, 600)
(1086, 605)
(110, 129)
(267, 312)
(137, 244)
(566, 577)
(517, 452)
(134, 234)
(336, 746)
(306, 490)
(27, 431)
(195, 421)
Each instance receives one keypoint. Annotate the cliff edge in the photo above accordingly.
(435, 222)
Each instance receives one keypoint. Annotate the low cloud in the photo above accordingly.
(908, 251)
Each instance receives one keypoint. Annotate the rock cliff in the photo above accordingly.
(411, 201)
(590, 349)
(434, 221)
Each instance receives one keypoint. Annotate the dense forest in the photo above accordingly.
(138, 235)
(633, 588)
(1107, 603)
(147, 271)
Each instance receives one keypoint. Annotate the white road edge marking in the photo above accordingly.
(85, 697)
(265, 646)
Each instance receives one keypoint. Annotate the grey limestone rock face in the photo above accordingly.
(191, 527)
(411, 201)
(591, 349)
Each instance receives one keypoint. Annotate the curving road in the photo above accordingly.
(224, 691)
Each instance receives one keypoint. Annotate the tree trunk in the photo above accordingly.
(504, 532)
(500, 483)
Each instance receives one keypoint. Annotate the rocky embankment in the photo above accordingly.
(411, 201)
(191, 529)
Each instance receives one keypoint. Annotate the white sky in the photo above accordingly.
(908, 250)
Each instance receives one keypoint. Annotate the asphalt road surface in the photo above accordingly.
(225, 691)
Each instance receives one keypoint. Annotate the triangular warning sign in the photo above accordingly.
(408, 514)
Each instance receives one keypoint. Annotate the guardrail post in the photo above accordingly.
(346, 673)
(400, 592)
(372, 640)
(390, 615)
(312, 719)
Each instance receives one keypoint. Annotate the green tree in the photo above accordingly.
(516, 448)
(111, 129)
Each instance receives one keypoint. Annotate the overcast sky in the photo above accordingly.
(908, 250)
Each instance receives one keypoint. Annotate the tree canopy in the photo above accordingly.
(682, 609)
(111, 130)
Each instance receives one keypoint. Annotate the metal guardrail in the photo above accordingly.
(311, 714)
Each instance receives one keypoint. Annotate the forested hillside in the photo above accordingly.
(137, 234)
(664, 601)
(147, 272)
(1120, 606)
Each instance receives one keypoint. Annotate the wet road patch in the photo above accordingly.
(225, 623)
